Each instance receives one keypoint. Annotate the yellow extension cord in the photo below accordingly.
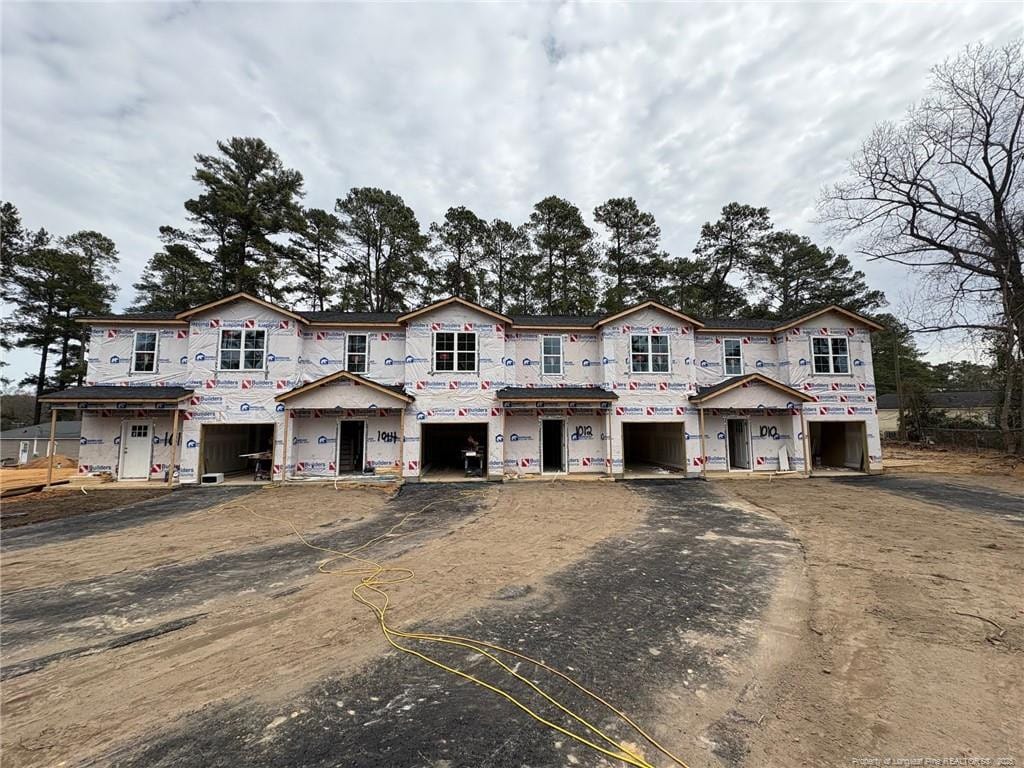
(375, 577)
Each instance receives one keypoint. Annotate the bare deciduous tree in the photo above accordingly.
(941, 192)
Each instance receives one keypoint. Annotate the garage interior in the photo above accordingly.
(653, 447)
(444, 449)
(838, 445)
(226, 448)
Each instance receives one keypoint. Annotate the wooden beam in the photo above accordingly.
(53, 446)
(807, 444)
(401, 442)
(703, 449)
(284, 449)
(608, 445)
(174, 448)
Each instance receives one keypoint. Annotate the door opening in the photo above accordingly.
(350, 446)
(737, 431)
(553, 445)
(838, 445)
(136, 450)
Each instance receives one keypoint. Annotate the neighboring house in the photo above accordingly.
(975, 407)
(329, 393)
(25, 444)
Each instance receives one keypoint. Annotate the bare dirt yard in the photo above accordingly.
(742, 623)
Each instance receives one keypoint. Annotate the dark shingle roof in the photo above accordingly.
(64, 430)
(129, 316)
(116, 394)
(351, 317)
(744, 323)
(555, 393)
(556, 321)
(964, 399)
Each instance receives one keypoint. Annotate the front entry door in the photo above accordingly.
(136, 450)
(350, 446)
(739, 444)
(553, 445)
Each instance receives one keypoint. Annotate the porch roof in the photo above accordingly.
(114, 394)
(392, 390)
(758, 381)
(550, 394)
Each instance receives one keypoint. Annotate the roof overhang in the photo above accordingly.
(453, 300)
(342, 376)
(127, 321)
(118, 397)
(746, 381)
(240, 296)
(649, 305)
(831, 308)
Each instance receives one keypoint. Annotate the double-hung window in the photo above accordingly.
(831, 355)
(144, 352)
(244, 350)
(454, 351)
(732, 351)
(551, 355)
(356, 353)
(648, 353)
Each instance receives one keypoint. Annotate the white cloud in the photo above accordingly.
(683, 106)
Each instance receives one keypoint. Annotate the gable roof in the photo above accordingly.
(239, 296)
(387, 389)
(709, 393)
(453, 300)
(649, 305)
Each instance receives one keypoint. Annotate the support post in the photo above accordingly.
(807, 443)
(504, 441)
(52, 446)
(401, 442)
(174, 448)
(608, 443)
(284, 447)
(703, 449)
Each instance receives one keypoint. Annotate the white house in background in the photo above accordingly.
(175, 395)
(24, 444)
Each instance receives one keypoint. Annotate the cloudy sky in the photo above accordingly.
(684, 106)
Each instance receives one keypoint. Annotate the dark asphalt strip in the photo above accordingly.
(182, 501)
(946, 493)
(659, 612)
(69, 611)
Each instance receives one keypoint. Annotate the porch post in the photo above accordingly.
(504, 441)
(284, 447)
(174, 448)
(703, 449)
(608, 443)
(807, 443)
(401, 441)
(52, 446)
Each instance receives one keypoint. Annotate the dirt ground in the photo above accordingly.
(911, 457)
(61, 502)
(20, 477)
(748, 623)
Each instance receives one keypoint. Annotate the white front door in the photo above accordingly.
(23, 452)
(136, 450)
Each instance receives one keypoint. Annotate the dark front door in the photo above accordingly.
(350, 446)
(553, 445)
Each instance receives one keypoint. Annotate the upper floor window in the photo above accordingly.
(454, 351)
(648, 353)
(144, 352)
(831, 355)
(732, 349)
(244, 350)
(356, 357)
(551, 355)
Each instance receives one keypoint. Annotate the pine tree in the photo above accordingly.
(635, 265)
(457, 247)
(510, 265)
(727, 245)
(314, 257)
(96, 256)
(567, 280)
(174, 279)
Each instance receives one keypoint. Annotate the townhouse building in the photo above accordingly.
(455, 387)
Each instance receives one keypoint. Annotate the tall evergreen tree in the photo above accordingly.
(789, 274)
(728, 245)
(457, 244)
(12, 245)
(248, 198)
(567, 279)
(383, 259)
(635, 265)
(510, 265)
(692, 286)
(174, 279)
(314, 257)
(96, 257)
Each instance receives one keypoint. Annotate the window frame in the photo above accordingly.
(365, 353)
(650, 353)
(241, 349)
(545, 355)
(135, 352)
(831, 356)
(455, 351)
(726, 356)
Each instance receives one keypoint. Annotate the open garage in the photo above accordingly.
(454, 451)
(653, 446)
(237, 450)
(838, 445)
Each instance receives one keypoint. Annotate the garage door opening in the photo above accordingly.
(453, 451)
(243, 452)
(838, 446)
(653, 447)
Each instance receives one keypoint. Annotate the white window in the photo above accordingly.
(831, 355)
(356, 353)
(144, 352)
(732, 350)
(648, 353)
(244, 350)
(551, 355)
(454, 351)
